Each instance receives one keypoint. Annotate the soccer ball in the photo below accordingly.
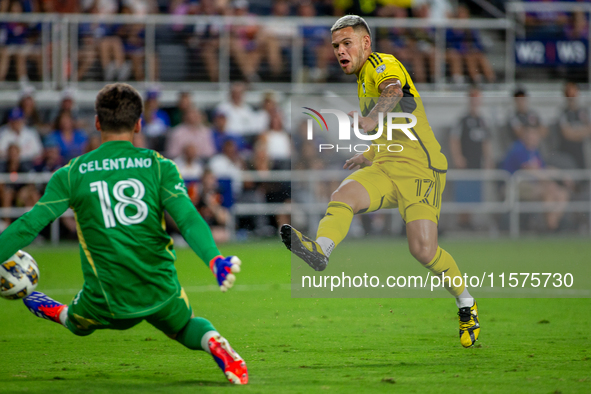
(19, 276)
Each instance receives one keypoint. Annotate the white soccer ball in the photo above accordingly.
(19, 276)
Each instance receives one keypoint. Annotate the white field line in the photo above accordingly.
(190, 289)
(480, 292)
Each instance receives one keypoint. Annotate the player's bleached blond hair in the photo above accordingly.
(354, 21)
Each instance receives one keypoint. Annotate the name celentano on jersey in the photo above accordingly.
(121, 163)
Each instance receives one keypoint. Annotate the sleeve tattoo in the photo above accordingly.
(391, 93)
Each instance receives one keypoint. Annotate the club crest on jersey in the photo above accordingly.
(381, 69)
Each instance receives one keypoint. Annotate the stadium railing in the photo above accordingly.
(59, 40)
(508, 203)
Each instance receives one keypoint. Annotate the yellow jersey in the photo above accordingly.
(425, 150)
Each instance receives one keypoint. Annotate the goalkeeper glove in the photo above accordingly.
(223, 269)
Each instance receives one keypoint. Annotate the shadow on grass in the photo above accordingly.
(82, 385)
(195, 383)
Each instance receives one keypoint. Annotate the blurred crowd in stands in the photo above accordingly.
(212, 148)
(527, 143)
(109, 51)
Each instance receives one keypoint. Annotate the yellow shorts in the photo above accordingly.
(414, 190)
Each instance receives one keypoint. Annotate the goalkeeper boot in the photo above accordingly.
(228, 360)
(44, 307)
(303, 247)
(469, 325)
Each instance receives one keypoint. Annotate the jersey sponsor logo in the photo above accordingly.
(121, 163)
(380, 70)
(363, 86)
(180, 187)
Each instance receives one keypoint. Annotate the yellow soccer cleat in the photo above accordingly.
(303, 247)
(469, 325)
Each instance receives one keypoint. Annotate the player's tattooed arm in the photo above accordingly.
(390, 95)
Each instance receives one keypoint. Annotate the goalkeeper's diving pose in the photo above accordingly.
(119, 194)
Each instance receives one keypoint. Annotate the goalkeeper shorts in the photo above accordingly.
(170, 319)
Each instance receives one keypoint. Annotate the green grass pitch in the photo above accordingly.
(312, 345)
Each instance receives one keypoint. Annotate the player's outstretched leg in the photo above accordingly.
(44, 307)
(469, 325)
(350, 197)
(423, 245)
(199, 334)
(304, 247)
(444, 266)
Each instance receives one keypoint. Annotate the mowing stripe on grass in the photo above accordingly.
(193, 289)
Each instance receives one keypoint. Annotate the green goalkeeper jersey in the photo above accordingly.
(118, 194)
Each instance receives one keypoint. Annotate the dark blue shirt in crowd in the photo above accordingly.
(68, 149)
(519, 156)
(220, 137)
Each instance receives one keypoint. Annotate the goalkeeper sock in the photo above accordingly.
(444, 266)
(196, 334)
(205, 340)
(64, 316)
(334, 226)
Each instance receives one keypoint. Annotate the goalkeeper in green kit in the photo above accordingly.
(119, 194)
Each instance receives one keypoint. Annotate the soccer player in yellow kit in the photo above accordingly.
(411, 179)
